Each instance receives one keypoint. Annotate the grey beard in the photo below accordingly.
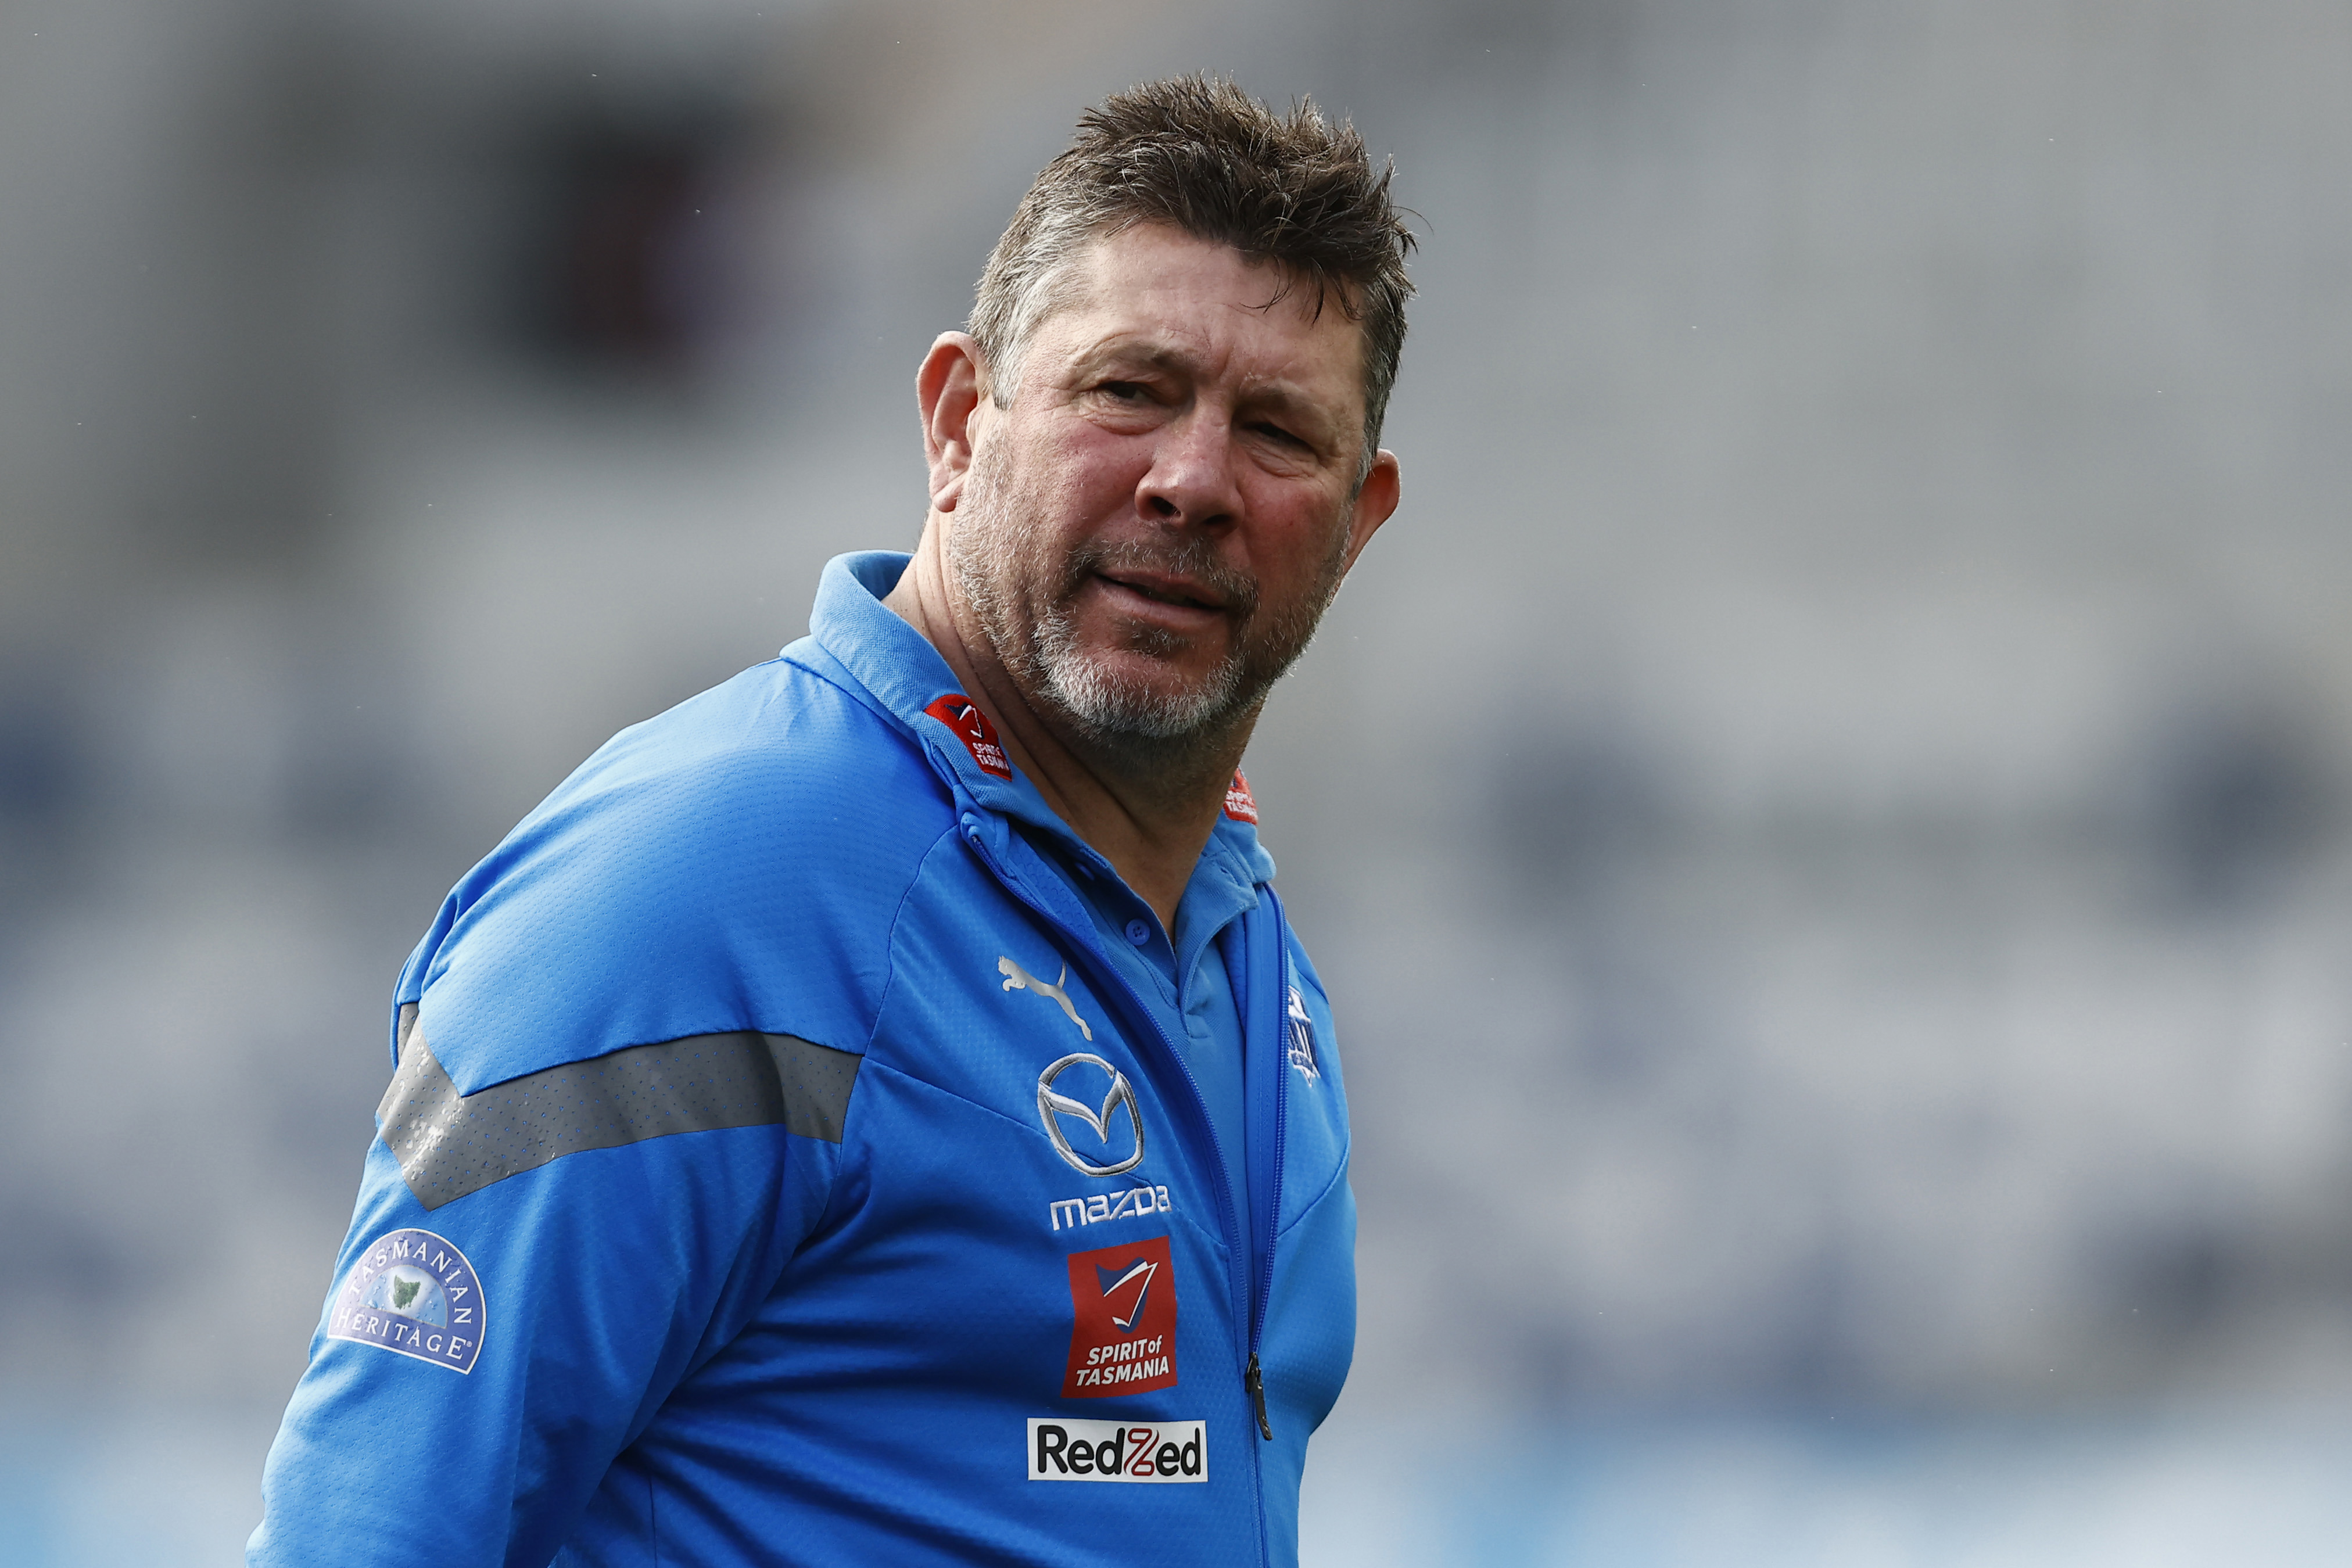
(1169, 734)
(1112, 711)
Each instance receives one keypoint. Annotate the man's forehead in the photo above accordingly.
(1155, 295)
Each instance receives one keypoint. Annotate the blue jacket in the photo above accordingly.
(776, 1170)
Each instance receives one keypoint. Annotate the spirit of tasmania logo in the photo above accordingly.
(1239, 804)
(413, 1292)
(1124, 1339)
(961, 714)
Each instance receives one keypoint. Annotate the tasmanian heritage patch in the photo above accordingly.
(413, 1292)
(1123, 1340)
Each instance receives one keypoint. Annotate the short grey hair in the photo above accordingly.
(1198, 154)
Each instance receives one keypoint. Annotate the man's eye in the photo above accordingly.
(1276, 433)
(1126, 391)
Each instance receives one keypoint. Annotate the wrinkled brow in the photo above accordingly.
(1271, 396)
(1140, 352)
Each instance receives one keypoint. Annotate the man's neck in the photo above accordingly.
(1150, 828)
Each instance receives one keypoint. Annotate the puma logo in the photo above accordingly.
(1017, 979)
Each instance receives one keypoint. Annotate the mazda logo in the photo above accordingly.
(1053, 1107)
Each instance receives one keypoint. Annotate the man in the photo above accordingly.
(885, 1084)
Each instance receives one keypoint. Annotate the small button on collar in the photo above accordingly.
(1137, 932)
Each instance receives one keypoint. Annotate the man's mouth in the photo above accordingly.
(1166, 590)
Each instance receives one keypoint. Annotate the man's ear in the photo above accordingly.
(947, 390)
(1376, 502)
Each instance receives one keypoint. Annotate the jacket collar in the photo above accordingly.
(908, 678)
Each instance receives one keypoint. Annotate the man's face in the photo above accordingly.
(1156, 518)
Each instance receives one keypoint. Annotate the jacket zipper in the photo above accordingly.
(1278, 1044)
(1254, 1295)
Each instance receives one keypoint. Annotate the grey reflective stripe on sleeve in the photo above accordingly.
(449, 1145)
(817, 1081)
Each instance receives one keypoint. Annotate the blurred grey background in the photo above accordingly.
(1824, 816)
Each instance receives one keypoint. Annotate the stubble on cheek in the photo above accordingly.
(997, 560)
(1027, 606)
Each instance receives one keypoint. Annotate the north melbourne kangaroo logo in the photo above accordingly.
(1302, 1038)
(1017, 979)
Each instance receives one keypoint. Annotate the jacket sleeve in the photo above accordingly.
(598, 1281)
(586, 1116)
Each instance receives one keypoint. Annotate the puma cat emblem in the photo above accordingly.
(1017, 979)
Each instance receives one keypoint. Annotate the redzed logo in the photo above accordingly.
(1239, 805)
(1108, 1451)
(961, 714)
(1124, 1338)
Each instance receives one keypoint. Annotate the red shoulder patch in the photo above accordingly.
(961, 714)
(1239, 806)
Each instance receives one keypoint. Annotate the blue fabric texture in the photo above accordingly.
(746, 1346)
(1223, 888)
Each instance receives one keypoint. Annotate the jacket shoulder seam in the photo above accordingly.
(890, 937)
(1339, 1175)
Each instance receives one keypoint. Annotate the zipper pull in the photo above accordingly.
(1253, 1380)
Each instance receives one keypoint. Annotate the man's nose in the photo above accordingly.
(1191, 480)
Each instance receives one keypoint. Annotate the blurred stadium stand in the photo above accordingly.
(1825, 815)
